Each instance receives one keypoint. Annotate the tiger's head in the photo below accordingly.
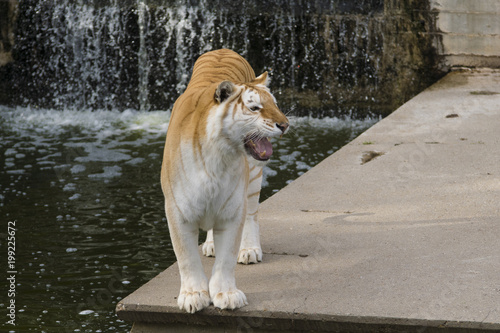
(250, 116)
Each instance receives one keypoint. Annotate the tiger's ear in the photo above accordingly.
(223, 91)
(263, 79)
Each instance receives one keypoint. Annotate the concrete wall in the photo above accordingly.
(468, 32)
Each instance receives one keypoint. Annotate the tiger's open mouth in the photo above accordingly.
(259, 148)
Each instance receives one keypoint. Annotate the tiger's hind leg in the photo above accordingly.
(208, 247)
(250, 249)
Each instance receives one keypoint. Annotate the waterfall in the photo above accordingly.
(144, 64)
(324, 56)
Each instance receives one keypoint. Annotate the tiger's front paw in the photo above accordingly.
(192, 301)
(208, 249)
(250, 255)
(230, 299)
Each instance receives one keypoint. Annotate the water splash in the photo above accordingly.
(325, 57)
(139, 54)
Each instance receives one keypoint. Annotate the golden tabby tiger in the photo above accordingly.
(217, 140)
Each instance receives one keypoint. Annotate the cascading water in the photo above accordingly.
(325, 57)
(144, 64)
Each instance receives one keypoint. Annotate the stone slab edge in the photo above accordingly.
(279, 321)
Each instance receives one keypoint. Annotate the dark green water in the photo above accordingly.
(83, 189)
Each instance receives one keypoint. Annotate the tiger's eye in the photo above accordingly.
(255, 108)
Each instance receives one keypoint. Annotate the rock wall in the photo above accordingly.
(8, 12)
(7, 21)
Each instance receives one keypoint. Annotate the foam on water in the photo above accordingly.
(67, 141)
(101, 123)
(332, 123)
(107, 123)
(108, 172)
(71, 139)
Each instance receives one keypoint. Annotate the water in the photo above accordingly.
(84, 190)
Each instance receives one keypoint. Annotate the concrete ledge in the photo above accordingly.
(397, 231)
(461, 6)
(327, 325)
(469, 60)
(488, 46)
(470, 23)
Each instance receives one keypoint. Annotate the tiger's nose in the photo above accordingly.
(282, 126)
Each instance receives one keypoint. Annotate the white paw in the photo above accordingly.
(250, 255)
(193, 301)
(230, 299)
(208, 249)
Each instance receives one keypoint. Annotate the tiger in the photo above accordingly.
(217, 142)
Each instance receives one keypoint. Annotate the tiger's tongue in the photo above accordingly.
(262, 149)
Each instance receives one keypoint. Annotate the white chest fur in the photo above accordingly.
(214, 178)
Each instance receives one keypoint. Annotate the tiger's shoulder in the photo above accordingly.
(220, 65)
(209, 70)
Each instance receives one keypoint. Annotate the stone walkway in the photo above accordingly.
(398, 230)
